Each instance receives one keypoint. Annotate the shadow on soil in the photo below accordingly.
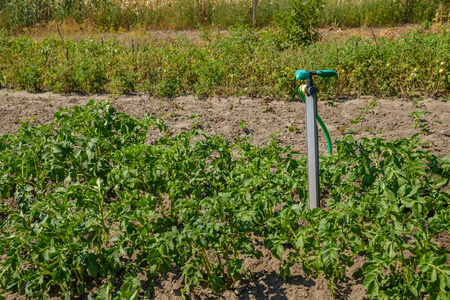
(262, 285)
(269, 285)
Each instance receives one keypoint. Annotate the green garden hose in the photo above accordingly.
(322, 124)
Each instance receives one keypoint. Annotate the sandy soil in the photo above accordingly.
(263, 117)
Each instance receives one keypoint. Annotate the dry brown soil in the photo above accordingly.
(263, 117)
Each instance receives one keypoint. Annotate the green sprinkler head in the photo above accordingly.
(309, 88)
(305, 75)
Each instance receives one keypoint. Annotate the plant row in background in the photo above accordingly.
(85, 201)
(243, 63)
(181, 14)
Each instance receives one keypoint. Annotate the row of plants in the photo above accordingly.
(89, 208)
(180, 14)
(243, 63)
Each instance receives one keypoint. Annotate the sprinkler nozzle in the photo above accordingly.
(312, 90)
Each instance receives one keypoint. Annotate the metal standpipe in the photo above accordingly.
(312, 141)
(312, 135)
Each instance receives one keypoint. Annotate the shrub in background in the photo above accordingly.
(299, 24)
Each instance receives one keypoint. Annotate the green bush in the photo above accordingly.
(299, 25)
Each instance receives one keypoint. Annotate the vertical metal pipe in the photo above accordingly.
(312, 141)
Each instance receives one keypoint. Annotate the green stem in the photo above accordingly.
(208, 265)
(103, 217)
(292, 231)
(220, 263)
(226, 255)
(161, 205)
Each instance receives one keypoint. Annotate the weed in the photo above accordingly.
(177, 106)
(369, 129)
(292, 127)
(360, 118)
(419, 122)
(357, 119)
(196, 125)
(193, 117)
(267, 109)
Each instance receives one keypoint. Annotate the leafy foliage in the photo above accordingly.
(299, 26)
(244, 63)
(85, 199)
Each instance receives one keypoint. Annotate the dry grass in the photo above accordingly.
(112, 15)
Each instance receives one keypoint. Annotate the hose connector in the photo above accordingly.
(303, 88)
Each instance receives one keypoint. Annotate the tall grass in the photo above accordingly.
(354, 13)
(161, 14)
(188, 14)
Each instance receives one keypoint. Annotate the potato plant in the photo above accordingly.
(244, 63)
(85, 200)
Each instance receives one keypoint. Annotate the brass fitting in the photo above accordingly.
(303, 88)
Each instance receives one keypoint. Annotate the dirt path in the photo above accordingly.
(74, 31)
(259, 118)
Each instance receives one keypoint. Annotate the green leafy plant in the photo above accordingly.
(420, 123)
(292, 127)
(299, 25)
(244, 63)
(361, 118)
(84, 199)
(193, 117)
(267, 109)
